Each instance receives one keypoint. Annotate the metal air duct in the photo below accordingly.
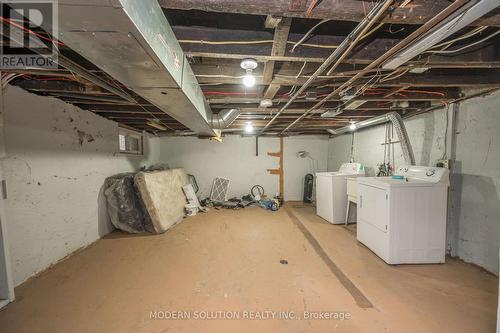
(399, 126)
(132, 41)
(224, 118)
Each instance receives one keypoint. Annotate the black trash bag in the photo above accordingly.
(125, 207)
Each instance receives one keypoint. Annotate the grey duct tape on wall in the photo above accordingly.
(399, 126)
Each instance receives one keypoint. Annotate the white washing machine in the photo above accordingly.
(404, 220)
(331, 191)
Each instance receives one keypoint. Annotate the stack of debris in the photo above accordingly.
(218, 197)
(155, 199)
(151, 200)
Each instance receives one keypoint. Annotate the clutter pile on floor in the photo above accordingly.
(155, 199)
(150, 200)
(255, 197)
(218, 198)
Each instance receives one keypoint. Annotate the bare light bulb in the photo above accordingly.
(352, 126)
(249, 128)
(249, 80)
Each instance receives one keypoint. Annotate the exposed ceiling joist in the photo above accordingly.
(218, 43)
(429, 25)
(216, 47)
(271, 91)
(272, 21)
(394, 91)
(294, 111)
(278, 49)
(418, 12)
(428, 96)
(414, 80)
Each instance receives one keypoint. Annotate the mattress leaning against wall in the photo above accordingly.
(162, 194)
(125, 207)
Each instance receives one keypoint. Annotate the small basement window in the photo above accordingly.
(130, 142)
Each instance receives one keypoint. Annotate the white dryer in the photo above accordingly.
(331, 191)
(404, 220)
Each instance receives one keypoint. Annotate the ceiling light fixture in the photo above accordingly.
(249, 127)
(352, 126)
(265, 103)
(249, 80)
(248, 65)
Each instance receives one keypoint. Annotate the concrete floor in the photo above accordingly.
(230, 261)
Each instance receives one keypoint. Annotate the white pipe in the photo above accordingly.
(466, 17)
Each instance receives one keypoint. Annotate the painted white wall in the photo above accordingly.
(6, 281)
(55, 203)
(296, 168)
(474, 226)
(476, 195)
(234, 158)
(426, 132)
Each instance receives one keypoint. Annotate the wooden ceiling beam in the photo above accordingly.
(272, 21)
(417, 12)
(294, 112)
(379, 104)
(453, 62)
(116, 107)
(412, 80)
(430, 95)
(218, 43)
(271, 91)
(241, 103)
(279, 47)
(128, 112)
(395, 91)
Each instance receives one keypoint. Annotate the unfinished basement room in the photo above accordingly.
(249, 166)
